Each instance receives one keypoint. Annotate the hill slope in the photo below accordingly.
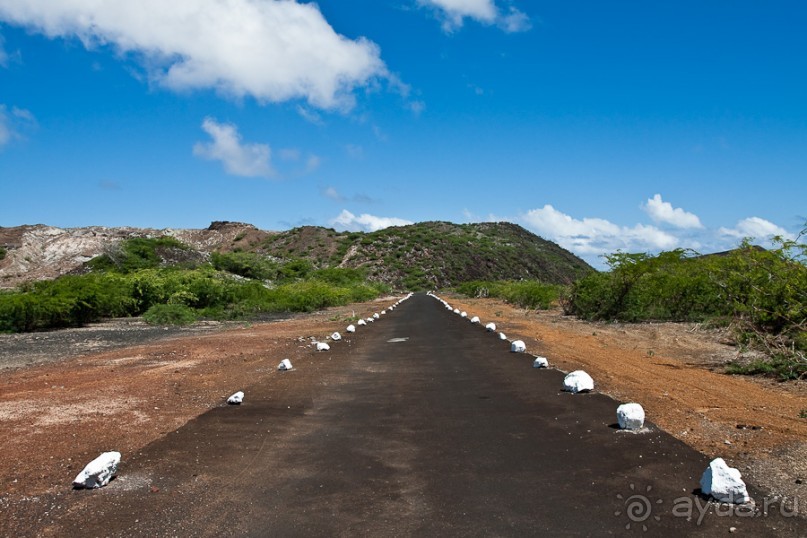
(425, 255)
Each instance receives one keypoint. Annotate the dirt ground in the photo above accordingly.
(78, 400)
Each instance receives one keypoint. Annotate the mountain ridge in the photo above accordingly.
(428, 254)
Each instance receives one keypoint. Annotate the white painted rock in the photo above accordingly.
(376, 316)
(98, 472)
(724, 483)
(491, 327)
(336, 337)
(630, 416)
(540, 362)
(578, 381)
(351, 329)
(236, 398)
(361, 322)
(518, 347)
(383, 312)
(284, 365)
(502, 336)
(463, 314)
(322, 346)
(370, 320)
(456, 311)
(475, 319)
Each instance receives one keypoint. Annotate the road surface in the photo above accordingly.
(420, 424)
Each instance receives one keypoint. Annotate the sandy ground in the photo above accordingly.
(59, 414)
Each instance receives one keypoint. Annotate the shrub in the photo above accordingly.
(530, 294)
(170, 314)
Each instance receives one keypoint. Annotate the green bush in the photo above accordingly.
(530, 294)
(170, 314)
(3, 253)
(137, 253)
(246, 264)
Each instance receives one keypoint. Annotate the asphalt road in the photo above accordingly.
(421, 424)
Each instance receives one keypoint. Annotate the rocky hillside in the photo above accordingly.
(429, 254)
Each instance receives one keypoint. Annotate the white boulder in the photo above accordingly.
(351, 329)
(463, 314)
(518, 346)
(236, 399)
(578, 381)
(724, 483)
(370, 320)
(456, 310)
(98, 472)
(475, 319)
(322, 346)
(491, 327)
(630, 416)
(376, 316)
(361, 322)
(336, 337)
(540, 362)
(285, 364)
(502, 336)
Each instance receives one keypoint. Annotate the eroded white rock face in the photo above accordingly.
(236, 399)
(351, 329)
(540, 362)
(285, 364)
(491, 327)
(336, 337)
(475, 319)
(518, 346)
(630, 416)
(322, 346)
(98, 472)
(578, 381)
(724, 483)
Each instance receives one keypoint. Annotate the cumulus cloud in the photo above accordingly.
(273, 51)
(755, 228)
(663, 212)
(239, 159)
(347, 221)
(13, 122)
(593, 235)
(454, 12)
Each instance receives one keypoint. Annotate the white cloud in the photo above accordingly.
(248, 160)
(663, 212)
(755, 228)
(13, 123)
(273, 51)
(3, 53)
(593, 235)
(365, 223)
(454, 12)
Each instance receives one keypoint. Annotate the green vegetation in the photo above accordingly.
(149, 278)
(3, 253)
(763, 294)
(526, 294)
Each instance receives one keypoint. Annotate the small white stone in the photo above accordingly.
(285, 364)
(491, 327)
(456, 310)
(724, 483)
(463, 314)
(475, 319)
(236, 399)
(351, 329)
(518, 346)
(98, 472)
(361, 322)
(540, 362)
(322, 346)
(578, 381)
(336, 337)
(630, 416)
(502, 336)
(376, 316)
(383, 312)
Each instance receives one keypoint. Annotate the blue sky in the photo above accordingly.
(632, 125)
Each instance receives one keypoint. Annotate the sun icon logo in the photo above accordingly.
(638, 507)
